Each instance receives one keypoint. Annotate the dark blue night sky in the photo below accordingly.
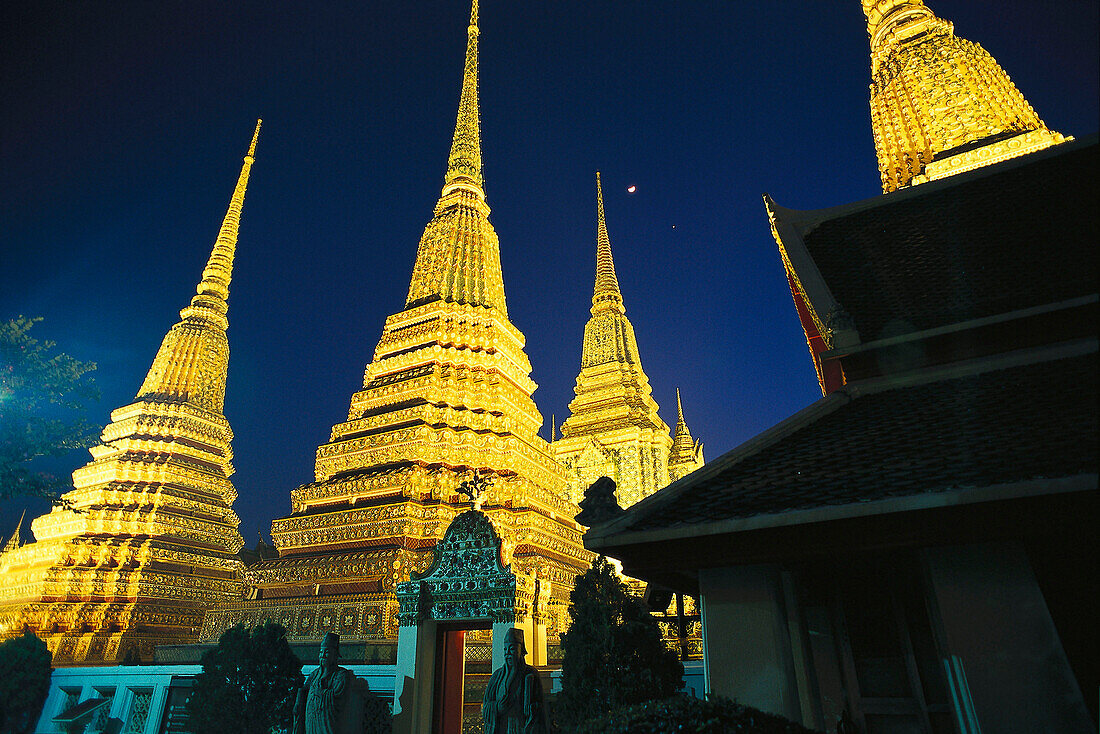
(123, 125)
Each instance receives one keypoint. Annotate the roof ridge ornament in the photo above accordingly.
(475, 487)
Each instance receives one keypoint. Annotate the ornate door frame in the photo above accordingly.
(467, 586)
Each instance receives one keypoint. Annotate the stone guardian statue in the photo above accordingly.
(513, 702)
(323, 699)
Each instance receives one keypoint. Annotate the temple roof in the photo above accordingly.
(1012, 236)
(976, 431)
(988, 420)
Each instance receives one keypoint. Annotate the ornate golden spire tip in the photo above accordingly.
(255, 137)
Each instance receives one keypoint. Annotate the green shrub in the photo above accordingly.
(613, 654)
(684, 714)
(24, 682)
(247, 685)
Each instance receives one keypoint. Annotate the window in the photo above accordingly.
(893, 669)
(139, 712)
(872, 647)
(99, 720)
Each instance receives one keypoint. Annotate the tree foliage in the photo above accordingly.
(690, 715)
(613, 655)
(24, 682)
(247, 684)
(43, 396)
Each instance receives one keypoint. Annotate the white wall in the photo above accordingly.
(996, 623)
(127, 680)
(746, 642)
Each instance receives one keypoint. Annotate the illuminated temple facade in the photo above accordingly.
(613, 428)
(446, 397)
(148, 539)
(940, 104)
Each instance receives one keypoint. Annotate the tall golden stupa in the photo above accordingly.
(613, 428)
(940, 104)
(148, 540)
(445, 399)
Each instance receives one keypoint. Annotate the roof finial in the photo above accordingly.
(679, 409)
(464, 162)
(213, 289)
(255, 137)
(607, 284)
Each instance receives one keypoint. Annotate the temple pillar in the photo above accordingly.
(1006, 665)
(536, 647)
(414, 678)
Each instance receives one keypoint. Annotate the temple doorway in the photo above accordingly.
(466, 592)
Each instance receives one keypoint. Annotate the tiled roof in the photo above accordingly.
(1010, 425)
(949, 251)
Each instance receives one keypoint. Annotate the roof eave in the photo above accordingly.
(908, 503)
(656, 501)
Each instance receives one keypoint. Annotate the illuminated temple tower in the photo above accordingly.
(940, 104)
(447, 393)
(613, 428)
(687, 454)
(149, 539)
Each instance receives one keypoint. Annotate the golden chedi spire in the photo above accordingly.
(14, 541)
(613, 428)
(147, 539)
(458, 260)
(464, 162)
(940, 104)
(606, 294)
(687, 454)
(194, 356)
(447, 393)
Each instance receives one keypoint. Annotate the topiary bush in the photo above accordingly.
(685, 714)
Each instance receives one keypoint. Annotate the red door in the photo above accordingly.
(449, 673)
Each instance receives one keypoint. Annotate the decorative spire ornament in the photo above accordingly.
(687, 454)
(458, 260)
(606, 293)
(193, 359)
(464, 162)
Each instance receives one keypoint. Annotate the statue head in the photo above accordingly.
(515, 649)
(330, 650)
